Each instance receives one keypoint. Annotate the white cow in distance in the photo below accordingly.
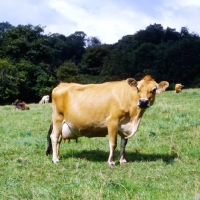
(44, 100)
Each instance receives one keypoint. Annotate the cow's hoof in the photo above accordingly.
(123, 161)
(111, 164)
(55, 160)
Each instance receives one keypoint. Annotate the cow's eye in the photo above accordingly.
(138, 89)
(154, 89)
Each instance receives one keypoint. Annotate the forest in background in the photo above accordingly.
(33, 63)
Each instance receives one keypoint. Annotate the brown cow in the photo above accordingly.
(97, 110)
(20, 105)
(178, 87)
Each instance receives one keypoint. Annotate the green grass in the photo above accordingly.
(163, 157)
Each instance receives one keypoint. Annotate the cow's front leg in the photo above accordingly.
(122, 159)
(112, 134)
(56, 139)
(111, 155)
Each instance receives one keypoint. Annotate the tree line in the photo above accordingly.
(33, 63)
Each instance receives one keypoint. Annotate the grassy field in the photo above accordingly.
(163, 157)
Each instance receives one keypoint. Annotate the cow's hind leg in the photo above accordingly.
(58, 146)
(56, 139)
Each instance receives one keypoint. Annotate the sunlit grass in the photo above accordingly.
(163, 157)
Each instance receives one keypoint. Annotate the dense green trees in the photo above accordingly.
(32, 63)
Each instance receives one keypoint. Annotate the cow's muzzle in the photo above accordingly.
(143, 103)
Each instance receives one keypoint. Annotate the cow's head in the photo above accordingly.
(147, 89)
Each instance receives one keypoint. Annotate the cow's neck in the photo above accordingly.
(130, 128)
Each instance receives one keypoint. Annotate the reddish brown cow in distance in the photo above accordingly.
(20, 105)
(178, 87)
(97, 110)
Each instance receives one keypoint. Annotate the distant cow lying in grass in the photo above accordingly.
(20, 105)
(45, 99)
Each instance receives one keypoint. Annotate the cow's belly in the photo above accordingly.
(94, 132)
(71, 132)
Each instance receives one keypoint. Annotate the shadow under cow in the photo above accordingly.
(101, 156)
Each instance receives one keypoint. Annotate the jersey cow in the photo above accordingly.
(97, 110)
(44, 100)
(178, 87)
(20, 105)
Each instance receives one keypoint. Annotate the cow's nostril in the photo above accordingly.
(143, 103)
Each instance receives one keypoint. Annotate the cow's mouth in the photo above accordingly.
(143, 103)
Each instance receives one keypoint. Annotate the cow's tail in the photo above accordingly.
(49, 144)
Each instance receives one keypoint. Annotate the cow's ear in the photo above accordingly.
(132, 82)
(162, 86)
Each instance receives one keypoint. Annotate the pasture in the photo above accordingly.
(163, 157)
